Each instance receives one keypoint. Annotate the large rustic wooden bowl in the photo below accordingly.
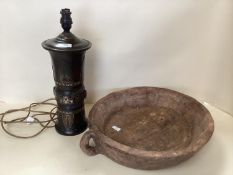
(147, 127)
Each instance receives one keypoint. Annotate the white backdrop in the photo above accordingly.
(186, 45)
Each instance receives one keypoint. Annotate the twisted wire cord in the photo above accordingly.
(36, 113)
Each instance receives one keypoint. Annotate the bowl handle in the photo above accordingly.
(85, 145)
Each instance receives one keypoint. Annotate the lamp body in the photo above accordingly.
(68, 53)
(69, 91)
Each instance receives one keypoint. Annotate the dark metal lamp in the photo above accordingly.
(68, 52)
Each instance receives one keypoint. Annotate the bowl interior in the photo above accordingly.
(152, 119)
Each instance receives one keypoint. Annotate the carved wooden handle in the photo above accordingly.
(85, 143)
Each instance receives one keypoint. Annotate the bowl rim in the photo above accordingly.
(189, 150)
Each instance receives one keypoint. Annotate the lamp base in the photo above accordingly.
(73, 132)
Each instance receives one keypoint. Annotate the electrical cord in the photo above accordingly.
(35, 118)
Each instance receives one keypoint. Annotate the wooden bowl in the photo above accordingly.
(147, 127)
